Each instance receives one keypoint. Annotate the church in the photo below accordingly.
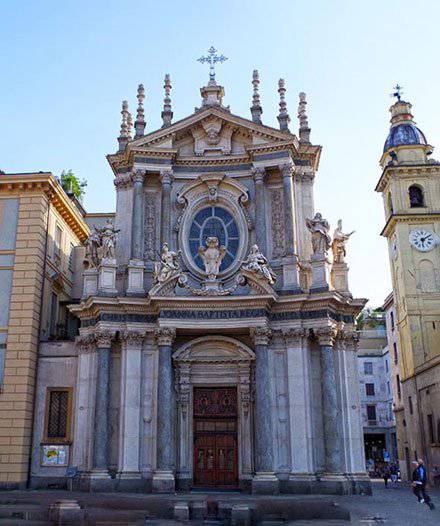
(216, 343)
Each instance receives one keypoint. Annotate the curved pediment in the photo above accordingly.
(214, 349)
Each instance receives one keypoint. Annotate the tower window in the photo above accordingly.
(416, 199)
(390, 204)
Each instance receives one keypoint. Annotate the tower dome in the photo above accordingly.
(403, 130)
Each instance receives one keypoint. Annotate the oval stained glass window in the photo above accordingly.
(214, 221)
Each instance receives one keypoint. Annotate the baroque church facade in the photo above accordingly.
(217, 345)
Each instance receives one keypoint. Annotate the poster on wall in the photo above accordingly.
(55, 455)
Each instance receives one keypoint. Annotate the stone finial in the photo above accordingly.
(256, 109)
(139, 124)
(124, 134)
(283, 117)
(129, 125)
(304, 130)
(167, 114)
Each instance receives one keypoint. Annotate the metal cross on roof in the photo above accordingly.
(212, 59)
(398, 92)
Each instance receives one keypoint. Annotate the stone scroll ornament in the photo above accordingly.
(257, 264)
(212, 256)
(168, 267)
(319, 228)
(100, 244)
(339, 243)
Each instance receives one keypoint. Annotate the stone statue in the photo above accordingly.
(319, 228)
(212, 257)
(338, 244)
(169, 266)
(257, 263)
(93, 243)
(108, 240)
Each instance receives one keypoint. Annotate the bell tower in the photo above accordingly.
(410, 187)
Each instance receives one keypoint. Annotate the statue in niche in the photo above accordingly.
(212, 257)
(257, 263)
(93, 244)
(339, 242)
(108, 240)
(319, 229)
(168, 267)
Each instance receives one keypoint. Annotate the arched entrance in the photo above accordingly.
(213, 377)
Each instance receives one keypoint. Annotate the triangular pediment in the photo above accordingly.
(212, 132)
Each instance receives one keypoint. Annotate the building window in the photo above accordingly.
(368, 367)
(57, 243)
(386, 366)
(214, 221)
(392, 320)
(399, 390)
(369, 389)
(388, 387)
(431, 433)
(390, 204)
(53, 320)
(371, 412)
(410, 405)
(71, 258)
(396, 356)
(416, 199)
(58, 414)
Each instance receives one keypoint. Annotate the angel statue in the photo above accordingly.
(212, 257)
(319, 228)
(168, 267)
(108, 240)
(93, 244)
(339, 242)
(257, 263)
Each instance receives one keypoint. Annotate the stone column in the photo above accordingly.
(136, 266)
(298, 374)
(164, 476)
(166, 178)
(334, 462)
(129, 412)
(100, 429)
(264, 481)
(290, 259)
(260, 209)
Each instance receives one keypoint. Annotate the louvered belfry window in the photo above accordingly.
(58, 414)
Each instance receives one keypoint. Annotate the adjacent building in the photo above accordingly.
(40, 228)
(410, 187)
(376, 394)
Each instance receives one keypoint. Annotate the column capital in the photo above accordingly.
(138, 176)
(286, 169)
(123, 181)
(103, 338)
(165, 335)
(294, 335)
(306, 177)
(349, 337)
(166, 176)
(259, 173)
(326, 335)
(85, 343)
(132, 338)
(261, 335)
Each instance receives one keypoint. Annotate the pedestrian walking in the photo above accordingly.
(394, 474)
(386, 475)
(419, 480)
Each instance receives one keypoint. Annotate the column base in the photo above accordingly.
(97, 480)
(265, 483)
(163, 482)
(132, 481)
(301, 483)
(333, 484)
(360, 484)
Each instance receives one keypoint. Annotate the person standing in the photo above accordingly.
(420, 478)
(394, 474)
(386, 475)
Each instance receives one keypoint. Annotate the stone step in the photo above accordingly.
(23, 511)
(25, 522)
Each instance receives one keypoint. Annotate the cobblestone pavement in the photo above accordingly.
(397, 506)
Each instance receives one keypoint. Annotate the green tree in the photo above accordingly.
(72, 185)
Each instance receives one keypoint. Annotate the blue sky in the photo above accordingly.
(66, 66)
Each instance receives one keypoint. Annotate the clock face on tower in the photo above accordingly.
(423, 240)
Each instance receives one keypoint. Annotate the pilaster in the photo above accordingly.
(260, 207)
(166, 179)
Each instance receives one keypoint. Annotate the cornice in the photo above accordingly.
(46, 183)
(427, 217)
(405, 171)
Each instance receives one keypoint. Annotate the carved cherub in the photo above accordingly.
(257, 263)
(168, 266)
(212, 257)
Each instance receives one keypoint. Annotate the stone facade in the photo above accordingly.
(31, 205)
(411, 195)
(257, 324)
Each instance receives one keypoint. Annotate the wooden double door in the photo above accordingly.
(215, 437)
